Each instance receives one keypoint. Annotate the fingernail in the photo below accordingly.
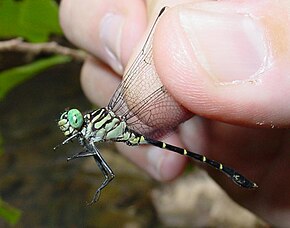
(228, 46)
(111, 35)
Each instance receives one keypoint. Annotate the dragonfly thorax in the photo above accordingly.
(103, 125)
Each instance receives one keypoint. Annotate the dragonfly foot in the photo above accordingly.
(95, 198)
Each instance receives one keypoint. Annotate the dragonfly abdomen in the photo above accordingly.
(234, 175)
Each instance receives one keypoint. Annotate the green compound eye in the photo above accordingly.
(75, 118)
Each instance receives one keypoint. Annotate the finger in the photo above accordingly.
(98, 81)
(106, 29)
(228, 60)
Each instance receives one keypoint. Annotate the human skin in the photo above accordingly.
(226, 61)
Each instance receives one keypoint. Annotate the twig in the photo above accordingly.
(35, 48)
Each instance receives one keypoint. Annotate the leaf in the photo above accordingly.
(30, 19)
(15, 76)
(9, 213)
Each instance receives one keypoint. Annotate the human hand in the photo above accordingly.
(226, 61)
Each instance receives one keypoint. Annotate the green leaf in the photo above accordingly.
(30, 19)
(15, 76)
(9, 213)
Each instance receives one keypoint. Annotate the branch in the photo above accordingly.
(35, 48)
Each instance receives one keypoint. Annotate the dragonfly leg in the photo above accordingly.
(81, 154)
(105, 169)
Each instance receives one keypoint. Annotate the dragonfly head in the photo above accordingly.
(70, 122)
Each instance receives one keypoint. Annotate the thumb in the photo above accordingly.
(228, 60)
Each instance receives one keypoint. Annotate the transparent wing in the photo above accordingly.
(129, 77)
(141, 99)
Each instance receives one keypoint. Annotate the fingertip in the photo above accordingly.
(107, 29)
(220, 65)
(172, 166)
(165, 165)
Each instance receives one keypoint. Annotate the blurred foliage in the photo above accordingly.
(33, 20)
(10, 214)
(15, 76)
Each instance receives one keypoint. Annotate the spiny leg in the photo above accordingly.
(66, 141)
(105, 169)
(81, 154)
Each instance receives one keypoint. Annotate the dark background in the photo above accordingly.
(39, 181)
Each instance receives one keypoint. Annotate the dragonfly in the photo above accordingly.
(137, 114)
